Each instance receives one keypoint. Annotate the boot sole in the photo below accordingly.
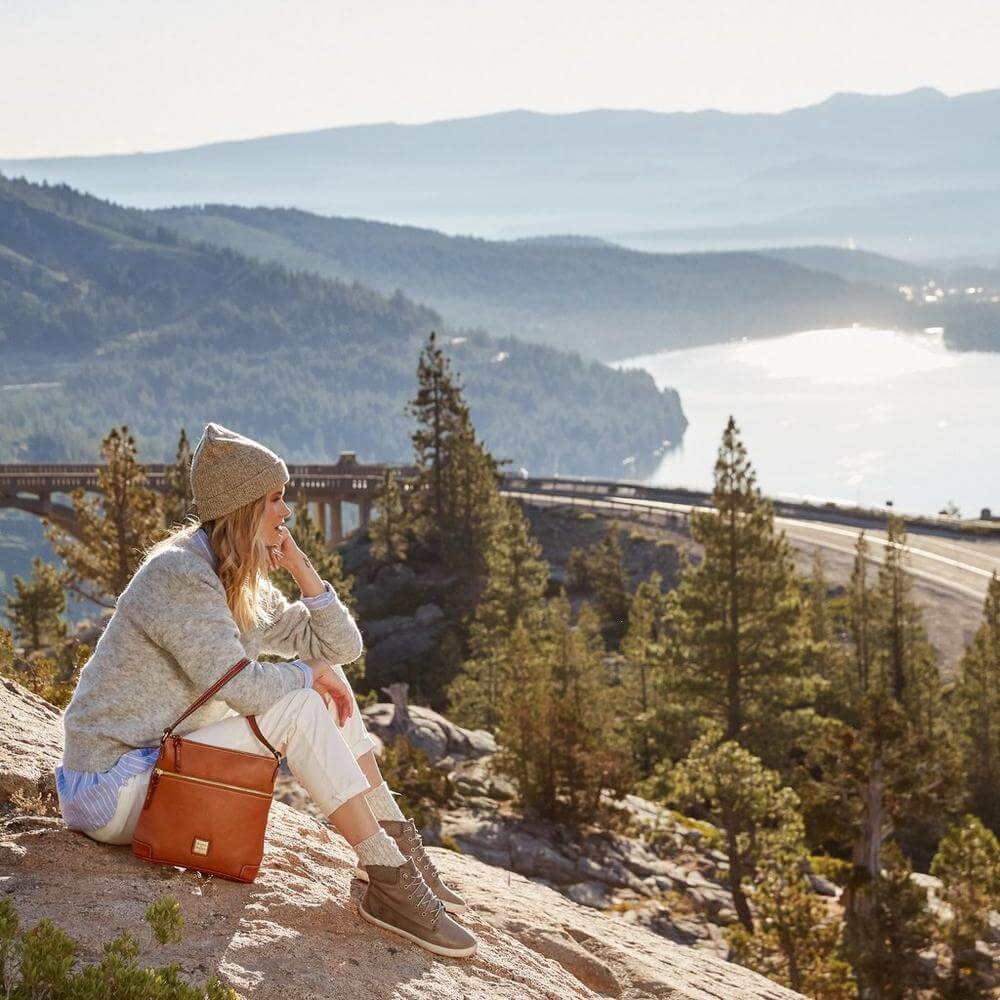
(437, 949)
(360, 873)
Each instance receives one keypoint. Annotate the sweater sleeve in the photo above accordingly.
(190, 619)
(327, 632)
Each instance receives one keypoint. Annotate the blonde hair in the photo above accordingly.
(242, 560)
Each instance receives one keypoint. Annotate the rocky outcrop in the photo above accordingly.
(442, 741)
(677, 890)
(295, 933)
(31, 739)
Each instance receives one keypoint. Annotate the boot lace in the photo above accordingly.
(415, 847)
(423, 897)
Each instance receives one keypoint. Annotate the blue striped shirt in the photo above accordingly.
(88, 799)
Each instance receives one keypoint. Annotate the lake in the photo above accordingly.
(858, 415)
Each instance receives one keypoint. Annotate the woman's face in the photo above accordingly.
(275, 513)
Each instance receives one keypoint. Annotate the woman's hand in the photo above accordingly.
(286, 554)
(332, 688)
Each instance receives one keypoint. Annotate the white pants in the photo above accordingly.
(320, 752)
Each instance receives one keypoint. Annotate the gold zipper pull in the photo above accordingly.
(153, 779)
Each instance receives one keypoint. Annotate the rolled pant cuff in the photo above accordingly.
(363, 745)
(357, 786)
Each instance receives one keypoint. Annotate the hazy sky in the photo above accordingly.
(125, 75)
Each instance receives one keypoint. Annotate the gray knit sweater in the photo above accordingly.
(171, 636)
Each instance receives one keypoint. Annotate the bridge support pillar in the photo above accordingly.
(336, 523)
(364, 511)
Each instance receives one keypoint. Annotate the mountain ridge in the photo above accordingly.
(836, 99)
(600, 172)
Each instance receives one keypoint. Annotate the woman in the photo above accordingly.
(201, 601)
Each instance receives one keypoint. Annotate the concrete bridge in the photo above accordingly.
(338, 496)
(328, 488)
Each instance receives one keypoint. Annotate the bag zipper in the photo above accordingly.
(159, 772)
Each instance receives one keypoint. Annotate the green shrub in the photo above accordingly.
(835, 869)
(49, 678)
(427, 790)
(38, 964)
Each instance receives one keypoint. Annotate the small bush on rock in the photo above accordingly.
(38, 964)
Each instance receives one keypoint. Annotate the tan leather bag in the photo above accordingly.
(206, 807)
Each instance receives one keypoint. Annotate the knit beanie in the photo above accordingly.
(229, 470)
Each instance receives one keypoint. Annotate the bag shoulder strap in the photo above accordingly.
(252, 722)
(224, 679)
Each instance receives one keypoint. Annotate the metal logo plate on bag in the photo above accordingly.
(199, 846)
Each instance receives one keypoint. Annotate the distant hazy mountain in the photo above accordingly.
(108, 317)
(911, 175)
(854, 265)
(914, 225)
(605, 301)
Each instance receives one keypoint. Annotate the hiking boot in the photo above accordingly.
(399, 900)
(409, 841)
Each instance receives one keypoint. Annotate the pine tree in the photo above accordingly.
(590, 739)
(35, 610)
(891, 769)
(760, 817)
(878, 769)
(816, 608)
(559, 735)
(861, 619)
(643, 649)
(472, 509)
(797, 941)
(975, 709)
(516, 583)
(906, 662)
(737, 633)
(600, 570)
(968, 864)
(454, 504)
(883, 943)
(389, 530)
(525, 731)
(882, 775)
(438, 408)
(902, 654)
(824, 655)
(178, 495)
(112, 533)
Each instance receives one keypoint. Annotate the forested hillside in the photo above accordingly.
(572, 293)
(124, 321)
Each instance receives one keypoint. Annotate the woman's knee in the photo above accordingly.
(310, 699)
(301, 699)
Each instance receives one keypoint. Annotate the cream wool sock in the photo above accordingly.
(383, 804)
(379, 849)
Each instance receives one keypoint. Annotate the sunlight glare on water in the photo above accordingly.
(857, 415)
(854, 356)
